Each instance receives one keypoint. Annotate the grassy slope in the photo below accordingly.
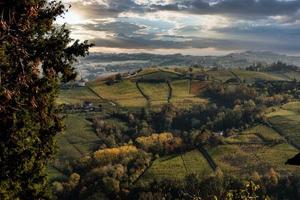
(223, 75)
(287, 121)
(124, 93)
(158, 92)
(77, 96)
(252, 75)
(176, 167)
(243, 160)
(181, 96)
(78, 140)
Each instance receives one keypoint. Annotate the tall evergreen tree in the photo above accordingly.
(35, 56)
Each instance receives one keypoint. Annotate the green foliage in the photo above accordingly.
(35, 57)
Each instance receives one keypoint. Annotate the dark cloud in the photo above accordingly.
(110, 8)
(136, 42)
(235, 7)
(289, 35)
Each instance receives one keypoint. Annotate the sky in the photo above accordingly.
(194, 27)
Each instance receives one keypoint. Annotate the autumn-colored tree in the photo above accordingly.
(35, 56)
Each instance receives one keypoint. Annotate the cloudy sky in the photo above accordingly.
(196, 27)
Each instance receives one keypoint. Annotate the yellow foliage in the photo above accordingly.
(115, 153)
(167, 140)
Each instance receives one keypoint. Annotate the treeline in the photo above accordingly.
(223, 187)
(274, 67)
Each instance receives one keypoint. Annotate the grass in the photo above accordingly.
(222, 75)
(266, 133)
(181, 96)
(287, 121)
(78, 140)
(158, 92)
(252, 75)
(292, 106)
(77, 96)
(243, 160)
(157, 74)
(243, 138)
(177, 167)
(123, 93)
(126, 94)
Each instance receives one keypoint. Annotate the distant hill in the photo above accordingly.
(98, 63)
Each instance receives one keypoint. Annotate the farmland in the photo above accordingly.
(177, 167)
(77, 141)
(126, 94)
(214, 138)
(287, 121)
(77, 96)
(242, 160)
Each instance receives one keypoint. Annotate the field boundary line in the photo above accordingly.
(98, 95)
(282, 135)
(208, 158)
(148, 99)
(74, 146)
(184, 164)
(142, 174)
(236, 76)
(170, 93)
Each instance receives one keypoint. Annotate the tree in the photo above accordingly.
(35, 56)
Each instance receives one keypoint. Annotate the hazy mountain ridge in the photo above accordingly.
(98, 63)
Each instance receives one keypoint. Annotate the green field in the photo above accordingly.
(252, 75)
(158, 92)
(181, 96)
(78, 140)
(177, 167)
(77, 96)
(159, 74)
(287, 121)
(123, 93)
(267, 134)
(243, 138)
(126, 94)
(243, 160)
(220, 75)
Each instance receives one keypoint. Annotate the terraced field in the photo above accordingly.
(176, 167)
(287, 122)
